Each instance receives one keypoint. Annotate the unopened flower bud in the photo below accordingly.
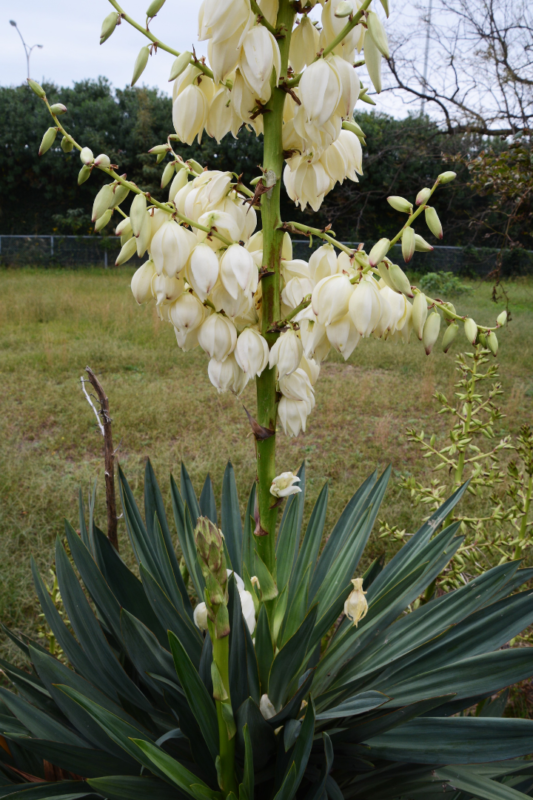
(400, 204)
(140, 64)
(433, 222)
(423, 196)
(501, 319)
(266, 708)
(200, 616)
(141, 283)
(102, 221)
(449, 335)
(408, 244)
(285, 484)
(67, 145)
(159, 148)
(168, 173)
(448, 311)
(137, 213)
(344, 9)
(471, 330)
(102, 160)
(120, 192)
(84, 174)
(251, 352)
(400, 281)
(58, 108)
(286, 353)
(128, 250)
(446, 177)
(180, 65)
(195, 166)
(383, 269)
(331, 297)
(218, 337)
(356, 606)
(492, 343)
(154, 7)
(210, 549)
(419, 314)
(86, 156)
(108, 26)
(37, 88)
(353, 127)
(431, 330)
(47, 140)
(124, 226)
(102, 201)
(377, 32)
(421, 246)
(378, 252)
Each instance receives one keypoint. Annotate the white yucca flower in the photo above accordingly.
(306, 183)
(226, 375)
(238, 271)
(187, 313)
(218, 19)
(259, 56)
(350, 86)
(343, 336)
(304, 44)
(330, 298)
(251, 352)
(141, 283)
(366, 306)
(189, 114)
(171, 247)
(203, 270)
(165, 290)
(220, 118)
(320, 91)
(293, 415)
(297, 386)
(313, 335)
(286, 353)
(295, 291)
(323, 263)
(218, 337)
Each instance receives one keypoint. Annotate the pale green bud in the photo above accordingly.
(137, 213)
(67, 145)
(168, 173)
(421, 246)
(128, 250)
(377, 32)
(353, 127)
(431, 330)
(84, 174)
(344, 9)
(385, 4)
(140, 64)
(127, 236)
(160, 158)
(482, 339)
(37, 88)
(378, 252)
(108, 26)
(102, 221)
(154, 7)
(121, 192)
(47, 140)
(86, 156)
(210, 549)
(195, 166)
(178, 182)
(363, 96)
(447, 177)
(159, 149)
(383, 269)
(423, 196)
(501, 319)
(58, 108)
(492, 343)
(102, 201)
(102, 160)
(400, 281)
(449, 335)
(433, 222)
(419, 314)
(448, 309)
(123, 227)
(180, 65)
(408, 244)
(400, 204)
(471, 330)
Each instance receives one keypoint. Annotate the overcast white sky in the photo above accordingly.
(69, 31)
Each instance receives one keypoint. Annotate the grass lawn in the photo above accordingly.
(54, 323)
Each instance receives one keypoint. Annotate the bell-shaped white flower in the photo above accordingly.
(251, 352)
(223, 222)
(286, 353)
(293, 415)
(187, 340)
(313, 334)
(203, 270)
(285, 484)
(366, 306)
(295, 291)
(220, 117)
(218, 337)
(311, 369)
(294, 268)
(218, 19)
(189, 114)
(171, 247)
(350, 86)
(200, 616)
(248, 609)
(343, 336)
(226, 375)
(141, 283)
(323, 263)
(304, 44)
(187, 312)
(320, 91)
(332, 27)
(330, 298)
(353, 152)
(165, 289)
(266, 708)
(297, 386)
(306, 182)
(242, 98)
(233, 307)
(259, 56)
(238, 271)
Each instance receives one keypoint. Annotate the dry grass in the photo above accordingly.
(52, 324)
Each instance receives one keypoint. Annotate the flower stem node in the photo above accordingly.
(356, 606)
(285, 484)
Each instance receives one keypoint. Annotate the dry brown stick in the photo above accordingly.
(109, 455)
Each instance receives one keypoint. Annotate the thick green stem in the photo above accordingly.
(267, 400)
(226, 745)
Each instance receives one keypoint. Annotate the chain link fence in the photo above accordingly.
(79, 252)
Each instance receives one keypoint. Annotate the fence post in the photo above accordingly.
(105, 258)
(51, 245)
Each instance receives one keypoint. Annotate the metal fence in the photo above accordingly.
(54, 251)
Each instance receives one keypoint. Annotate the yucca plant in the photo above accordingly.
(311, 706)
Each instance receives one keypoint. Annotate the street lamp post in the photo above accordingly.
(27, 49)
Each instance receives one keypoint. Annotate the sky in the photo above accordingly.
(69, 32)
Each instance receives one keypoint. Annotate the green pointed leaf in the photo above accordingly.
(178, 774)
(308, 554)
(248, 545)
(246, 788)
(40, 725)
(122, 787)
(230, 518)
(287, 544)
(79, 760)
(263, 648)
(208, 506)
(185, 529)
(188, 494)
(261, 735)
(289, 660)
(466, 780)
(269, 590)
(359, 704)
